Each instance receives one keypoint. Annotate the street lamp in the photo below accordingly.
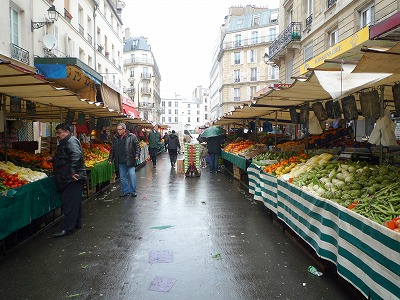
(53, 16)
(268, 61)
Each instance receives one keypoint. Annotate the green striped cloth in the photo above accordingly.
(366, 254)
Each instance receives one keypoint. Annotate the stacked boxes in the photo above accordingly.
(192, 160)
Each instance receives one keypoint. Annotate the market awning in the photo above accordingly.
(128, 107)
(110, 97)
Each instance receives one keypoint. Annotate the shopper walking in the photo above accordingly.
(173, 147)
(165, 138)
(154, 144)
(214, 150)
(125, 151)
(70, 175)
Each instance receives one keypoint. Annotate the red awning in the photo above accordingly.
(130, 111)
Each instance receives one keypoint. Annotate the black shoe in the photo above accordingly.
(63, 233)
(154, 166)
(124, 195)
(133, 194)
(78, 226)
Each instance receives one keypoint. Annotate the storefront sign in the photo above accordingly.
(351, 42)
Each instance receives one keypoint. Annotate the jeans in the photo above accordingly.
(153, 155)
(128, 178)
(214, 162)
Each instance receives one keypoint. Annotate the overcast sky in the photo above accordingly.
(182, 35)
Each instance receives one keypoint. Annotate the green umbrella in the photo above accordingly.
(212, 131)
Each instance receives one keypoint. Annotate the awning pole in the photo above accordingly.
(276, 128)
(381, 99)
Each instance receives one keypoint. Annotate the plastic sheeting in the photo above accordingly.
(340, 83)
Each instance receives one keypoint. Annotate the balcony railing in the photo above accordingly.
(291, 33)
(146, 105)
(237, 61)
(331, 3)
(248, 42)
(81, 30)
(20, 54)
(253, 78)
(309, 20)
(137, 60)
(236, 79)
(236, 99)
(130, 91)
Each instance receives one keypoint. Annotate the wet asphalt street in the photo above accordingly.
(220, 244)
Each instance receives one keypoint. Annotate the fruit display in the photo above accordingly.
(238, 146)
(284, 166)
(93, 156)
(192, 160)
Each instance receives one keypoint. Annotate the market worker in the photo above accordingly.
(154, 144)
(70, 175)
(125, 151)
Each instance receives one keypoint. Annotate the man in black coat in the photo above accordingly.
(173, 147)
(214, 150)
(70, 175)
(125, 151)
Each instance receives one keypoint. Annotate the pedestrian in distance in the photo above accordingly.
(214, 150)
(165, 138)
(70, 176)
(173, 147)
(154, 144)
(125, 151)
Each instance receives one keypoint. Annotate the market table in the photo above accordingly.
(366, 254)
(263, 186)
(101, 172)
(29, 202)
(238, 161)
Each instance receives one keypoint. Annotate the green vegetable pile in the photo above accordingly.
(372, 191)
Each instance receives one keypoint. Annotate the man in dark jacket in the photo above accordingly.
(70, 176)
(214, 150)
(125, 151)
(173, 147)
(154, 144)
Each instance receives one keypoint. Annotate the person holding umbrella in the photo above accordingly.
(214, 141)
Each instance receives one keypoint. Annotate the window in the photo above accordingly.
(206, 108)
(367, 16)
(253, 74)
(256, 20)
(188, 106)
(14, 27)
(132, 71)
(239, 22)
(274, 17)
(198, 112)
(274, 73)
(206, 116)
(238, 40)
(253, 90)
(236, 76)
(272, 34)
(169, 111)
(176, 103)
(236, 94)
(163, 119)
(237, 58)
(198, 120)
(253, 56)
(169, 103)
(189, 112)
(163, 104)
(176, 119)
(169, 119)
(188, 119)
(254, 37)
(198, 105)
(176, 111)
(308, 52)
(333, 37)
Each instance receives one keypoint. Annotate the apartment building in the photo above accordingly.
(142, 77)
(204, 95)
(182, 114)
(313, 31)
(238, 68)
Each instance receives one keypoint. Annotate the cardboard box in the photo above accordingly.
(180, 166)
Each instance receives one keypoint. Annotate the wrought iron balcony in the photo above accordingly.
(130, 91)
(236, 79)
(19, 53)
(137, 60)
(81, 30)
(309, 20)
(291, 33)
(331, 3)
(236, 99)
(89, 38)
(145, 75)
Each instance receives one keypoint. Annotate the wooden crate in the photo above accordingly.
(236, 172)
(180, 166)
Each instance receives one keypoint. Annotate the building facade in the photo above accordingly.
(313, 31)
(142, 77)
(238, 68)
(190, 114)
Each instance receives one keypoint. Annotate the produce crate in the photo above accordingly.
(48, 144)
(180, 166)
(236, 172)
